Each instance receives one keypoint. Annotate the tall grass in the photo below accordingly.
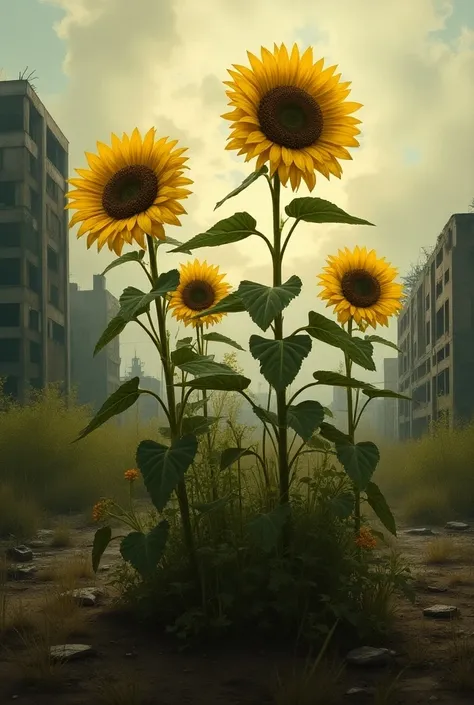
(430, 480)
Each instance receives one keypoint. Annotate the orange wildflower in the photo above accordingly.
(365, 539)
(131, 475)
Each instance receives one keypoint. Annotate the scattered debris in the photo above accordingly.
(71, 652)
(457, 526)
(441, 612)
(369, 656)
(20, 554)
(420, 532)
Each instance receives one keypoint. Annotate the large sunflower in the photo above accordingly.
(200, 287)
(291, 112)
(132, 188)
(361, 287)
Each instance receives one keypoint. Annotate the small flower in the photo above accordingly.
(201, 286)
(131, 475)
(100, 509)
(365, 539)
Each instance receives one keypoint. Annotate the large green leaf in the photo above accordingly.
(219, 382)
(144, 551)
(202, 366)
(197, 424)
(102, 538)
(305, 417)
(134, 302)
(238, 227)
(184, 343)
(382, 341)
(167, 240)
(343, 505)
(318, 443)
(266, 529)
(362, 353)
(116, 325)
(334, 379)
(208, 507)
(317, 210)
(229, 456)
(232, 303)
(280, 360)
(328, 331)
(245, 184)
(135, 256)
(121, 400)
(359, 461)
(218, 338)
(265, 415)
(163, 467)
(264, 303)
(384, 394)
(333, 434)
(379, 504)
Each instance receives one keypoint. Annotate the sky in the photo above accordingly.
(107, 66)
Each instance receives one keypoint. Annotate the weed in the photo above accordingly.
(308, 686)
(120, 693)
(69, 571)
(443, 550)
(461, 666)
(62, 536)
(20, 515)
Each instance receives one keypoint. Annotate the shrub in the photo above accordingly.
(19, 516)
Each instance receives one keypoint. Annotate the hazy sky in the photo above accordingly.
(111, 65)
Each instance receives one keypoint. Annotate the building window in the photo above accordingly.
(446, 276)
(446, 316)
(56, 332)
(53, 260)
(7, 194)
(439, 322)
(439, 288)
(427, 302)
(36, 383)
(9, 349)
(33, 166)
(52, 188)
(11, 113)
(35, 203)
(440, 355)
(34, 320)
(10, 234)
(442, 383)
(9, 315)
(10, 271)
(53, 223)
(35, 353)
(34, 280)
(54, 295)
(10, 387)
(439, 257)
(449, 239)
(428, 333)
(32, 240)
(55, 153)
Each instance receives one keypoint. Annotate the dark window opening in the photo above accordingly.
(428, 333)
(54, 295)
(9, 315)
(36, 383)
(427, 302)
(446, 316)
(57, 332)
(35, 353)
(34, 320)
(11, 113)
(446, 276)
(32, 240)
(442, 383)
(7, 194)
(10, 387)
(449, 239)
(53, 260)
(53, 223)
(440, 355)
(33, 166)
(439, 257)
(439, 322)
(34, 280)
(10, 234)
(35, 124)
(55, 153)
(10, 271)
(35, 203)
(439, 288)
(9, 349)
(52, 188)
(447, 350)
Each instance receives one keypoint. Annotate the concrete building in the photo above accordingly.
(147, 407)
(436, 335)
(390, 406)
(34, 326)
(93, 378)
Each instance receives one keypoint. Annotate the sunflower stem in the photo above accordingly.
(168, 373)
(282, 431)
(201, 346)
(351, 427)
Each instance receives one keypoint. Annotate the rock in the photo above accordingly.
(86, 597)
(369, 656)
(104, 568)
(71, 652)
(456, 526)
(37, 543)
(441, 612)
(21, 572)
(360, 693)
(44, 533)
(436, 588)
(20, 554)
(419, 532)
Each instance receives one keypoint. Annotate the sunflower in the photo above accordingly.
(291, 112)
(361, 287)
(200, 287)
(132, 188)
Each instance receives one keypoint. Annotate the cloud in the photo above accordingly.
(146, 62)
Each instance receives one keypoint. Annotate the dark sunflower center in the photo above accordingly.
(360, 288)
(198, 296)
(290, 117)
(130, 191)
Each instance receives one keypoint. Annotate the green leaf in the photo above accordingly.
(116, 325)
(219, 382)
(144, 551)
(382, 341)
(245, 184)
(218, 338)
(343, 505)
(266, 415)
(379, 504)
(128, 257)
(333, 434)
(328, 331)
(164, 467)
(208, 507)
(238, 227)
(264, 303)
(305, 417)
(317, 442)
(359, 461)
(134, 302)
(175, 243)
(328, 412)
(384, 394)
(317, 210)
(184, 343)
(280, 360)
(197, 424)
(191, 406)
(121, 400)
(334, 379)
(232, 303)
(362, 353)
(266, 529)
(229, 456)
(102, 538)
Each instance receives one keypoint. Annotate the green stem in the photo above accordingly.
(201, 347)
(351, 426)
(168, 373)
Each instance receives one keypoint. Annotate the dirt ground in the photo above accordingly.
(132, 667)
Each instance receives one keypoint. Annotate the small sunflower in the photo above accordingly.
(200, 287)
(132, 188)
(292, 113)
(361, 287)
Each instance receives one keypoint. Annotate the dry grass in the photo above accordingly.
(446, 550)
(460, 672)
(68, 572)
(121, 692)
(62, 536)
(462, 577)
(387, 692)
(320, 686)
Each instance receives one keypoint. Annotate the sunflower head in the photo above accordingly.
(133, 188)
(291, 112)
(361, 287)
(200, 287)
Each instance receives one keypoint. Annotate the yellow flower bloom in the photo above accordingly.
(292, 113)
(131, 475)
(361, 287)
(200, 287)
(132, 188)
(365, 539)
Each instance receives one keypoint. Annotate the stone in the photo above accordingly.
(37, 543)
(369, 656)
(44, 533)
(360, 693)
(104, 568)
(71, 652)
(436, 588)
(457, 526)
(441, 612)
(20, 554)
(86, 597)
(420, 532)
(21, 572)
